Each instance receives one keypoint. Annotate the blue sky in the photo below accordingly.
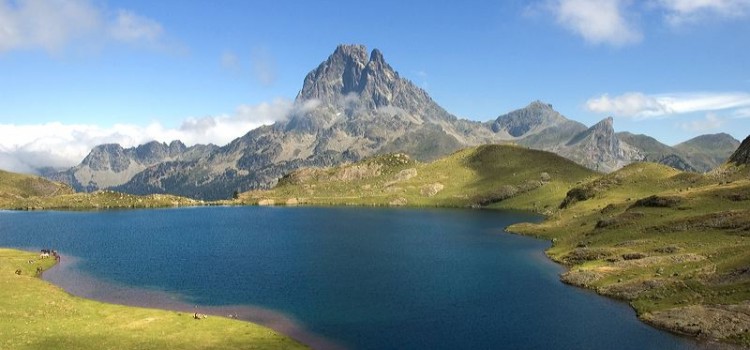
(77, 72)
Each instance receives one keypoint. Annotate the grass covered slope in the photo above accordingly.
(37, 315)
(491, 175)
(25, 192)
(15, 186)
(675, 245)
(99, 200)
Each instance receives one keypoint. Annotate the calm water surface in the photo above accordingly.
(361, 278)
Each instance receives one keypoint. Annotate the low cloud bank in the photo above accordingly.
(27, 148)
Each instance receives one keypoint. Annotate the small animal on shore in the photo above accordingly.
(44, 256)
(31, 261)
(18, 272)
(39, 270)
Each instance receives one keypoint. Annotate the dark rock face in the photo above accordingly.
(742, 154)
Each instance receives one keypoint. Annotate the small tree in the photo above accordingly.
(236, 194)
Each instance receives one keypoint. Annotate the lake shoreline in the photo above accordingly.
(40, 314)
(270, 318)
(77, 283)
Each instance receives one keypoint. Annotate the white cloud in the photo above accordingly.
(614, 22)
(132, 28)
(710, 122)
(25, 148)
(597, 21)
(52, 25)
(637, 105)
(685, 11)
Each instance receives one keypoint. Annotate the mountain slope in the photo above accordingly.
(657, 152)
(13, 185)
(537, 125)
(706, 152)
(111, 165)
(497, 175)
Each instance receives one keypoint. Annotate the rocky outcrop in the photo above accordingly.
(742, 155)
(708, 322)
(431, 190)
(599, 148)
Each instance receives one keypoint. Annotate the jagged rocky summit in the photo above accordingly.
(353, 105)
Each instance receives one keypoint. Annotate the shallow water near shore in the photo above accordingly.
(358, 278)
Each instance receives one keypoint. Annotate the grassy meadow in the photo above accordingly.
(35, 314)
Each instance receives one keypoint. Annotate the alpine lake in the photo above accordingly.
(339, 277)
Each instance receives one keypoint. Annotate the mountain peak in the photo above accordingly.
(349, 72)
(540, 105)
(606, 123)
(376, 56)
(533, 118)
(351, 50)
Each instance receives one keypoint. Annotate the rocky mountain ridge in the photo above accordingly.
(110, 165)
(353, 105)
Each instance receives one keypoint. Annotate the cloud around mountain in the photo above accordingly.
(26, 148)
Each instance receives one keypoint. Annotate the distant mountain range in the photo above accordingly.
(355, 105)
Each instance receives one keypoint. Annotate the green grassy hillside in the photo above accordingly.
(98, 200)
(28, 192)
(37, 315)
(675, 245)
(500, 176)
(15, 186)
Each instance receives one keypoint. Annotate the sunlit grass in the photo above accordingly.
(37, 315)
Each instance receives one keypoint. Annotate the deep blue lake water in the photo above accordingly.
(362, 278)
